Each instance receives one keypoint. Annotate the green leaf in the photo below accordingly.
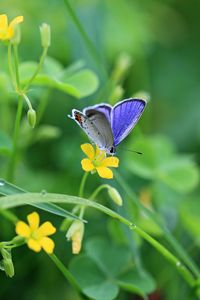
(78, 84)
(161, 163)
(180, 173)
(18, 199)
(140, 283)
(190, 212)
(52, 66)
(155, 150)
(5, 85)
(7, 188)
(115, 260)
(91, 280)
(47, 132)
(85, 81)
(5, 143)
(105, 267)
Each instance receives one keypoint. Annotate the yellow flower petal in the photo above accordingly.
(105, 172)
(88, 150)
(110, 162)
(47, 244)
(3, 22)
(46, 229)
(87, 165)
(34, 245)
(13, 23)
(16, 21)
(3, 26)
(33, 220)
(23, 229)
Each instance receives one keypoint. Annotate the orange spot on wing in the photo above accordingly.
(78, 118)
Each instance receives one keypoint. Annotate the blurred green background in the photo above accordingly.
(160, 40)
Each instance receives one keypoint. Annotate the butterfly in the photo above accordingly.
(106, 125)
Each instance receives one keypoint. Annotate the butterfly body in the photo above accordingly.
(107, 126)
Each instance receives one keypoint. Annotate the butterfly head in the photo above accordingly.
(111, 150)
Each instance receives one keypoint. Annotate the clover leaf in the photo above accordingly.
(105, 268)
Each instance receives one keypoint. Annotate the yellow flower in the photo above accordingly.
(7, 30)
(35, 235)
(97, 161)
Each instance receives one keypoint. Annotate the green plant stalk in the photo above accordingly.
(85, 37)
(82, 184)
(169, 237)
(16, 60)
(67, 274)
(9, 216)
(12, 163)
(29, 198)
(41, 62)
(10, 67)
(81, 193)
(97, 191)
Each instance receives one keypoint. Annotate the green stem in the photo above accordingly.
(168, 236)
(12, 162)
(82, 185)
(27, 100)
(9, 216)
(97, 191)
(16, 60)
(81, 192)
(30, 198)
(70, 278)
(10, 67)
(168, 255)
(88, 42)
(41, 62)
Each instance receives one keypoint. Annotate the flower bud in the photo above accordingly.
(115, 195)
(75, 234)
(45, 33)
(7, 262)
(31, 115)
(16, 39)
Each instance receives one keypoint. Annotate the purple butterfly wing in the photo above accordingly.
(124, 117)
(103, 108)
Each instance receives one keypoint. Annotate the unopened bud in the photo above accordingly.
(31, 115)
(7, 263)
(115, 195)
(75, 234)
(45, 33)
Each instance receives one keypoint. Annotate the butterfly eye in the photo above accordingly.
(112, 150)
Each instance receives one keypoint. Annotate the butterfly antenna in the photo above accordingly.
(133, 151)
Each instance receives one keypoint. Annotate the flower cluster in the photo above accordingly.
(97, 161)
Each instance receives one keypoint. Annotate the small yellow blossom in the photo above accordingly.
(7, 30)
(97, 161)
(75, 234)
(36, 236)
